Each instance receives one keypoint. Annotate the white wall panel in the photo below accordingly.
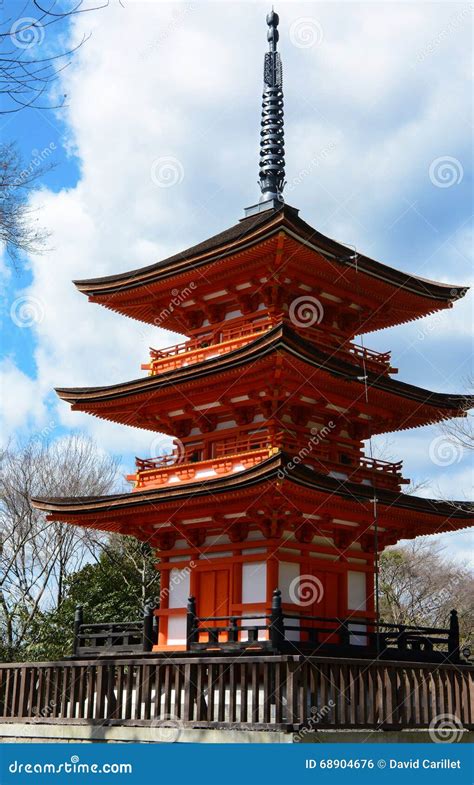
(254, 582)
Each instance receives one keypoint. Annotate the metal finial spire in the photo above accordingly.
(272, 161)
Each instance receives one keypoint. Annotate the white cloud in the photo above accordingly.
(22, 406)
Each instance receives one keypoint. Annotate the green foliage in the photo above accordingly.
(115, 588)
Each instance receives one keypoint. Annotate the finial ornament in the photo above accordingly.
(272, 161)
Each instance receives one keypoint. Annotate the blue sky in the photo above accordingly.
(378, 118)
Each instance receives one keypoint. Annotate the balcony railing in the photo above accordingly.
(277, 631)
(199, 349)
(182, 466)
(289, 632)
(226, 340)
(185, 465)
(369, 471)
(337, 346)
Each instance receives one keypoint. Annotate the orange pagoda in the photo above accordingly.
(267, 516)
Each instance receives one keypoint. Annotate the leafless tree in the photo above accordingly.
(28, 65)
(420, 585)
(382, 448)
(37, 555)
(460, 430)
(19, 229)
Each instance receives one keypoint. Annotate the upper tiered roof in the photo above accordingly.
(323, 263)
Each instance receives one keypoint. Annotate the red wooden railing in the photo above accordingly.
(380, 473)
(227, 339)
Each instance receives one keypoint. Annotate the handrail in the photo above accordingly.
(228, 334)
(219, 337)
(246, 445)
(378, 635)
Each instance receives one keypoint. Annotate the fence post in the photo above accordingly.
(78, 621)
(453, 637)
(191, 631)
(148, 626)
(277, 629)
(344, 634)
(233, 630)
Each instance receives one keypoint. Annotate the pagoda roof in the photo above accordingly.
(280, 337)
(105, 512)
(248, 232)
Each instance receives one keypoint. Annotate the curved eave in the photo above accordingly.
(268, 471)
(280, 337)
(248, 233)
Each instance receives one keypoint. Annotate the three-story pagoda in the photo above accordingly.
(269, 401)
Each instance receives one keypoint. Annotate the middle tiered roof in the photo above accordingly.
(244, 377)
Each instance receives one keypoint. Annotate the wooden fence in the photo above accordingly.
(246, 692)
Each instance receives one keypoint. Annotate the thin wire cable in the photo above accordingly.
(355, 257)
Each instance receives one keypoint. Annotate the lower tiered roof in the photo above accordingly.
(277, 482)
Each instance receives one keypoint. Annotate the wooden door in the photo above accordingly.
(213, 596)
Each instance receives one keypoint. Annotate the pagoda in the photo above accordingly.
(269, 401)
